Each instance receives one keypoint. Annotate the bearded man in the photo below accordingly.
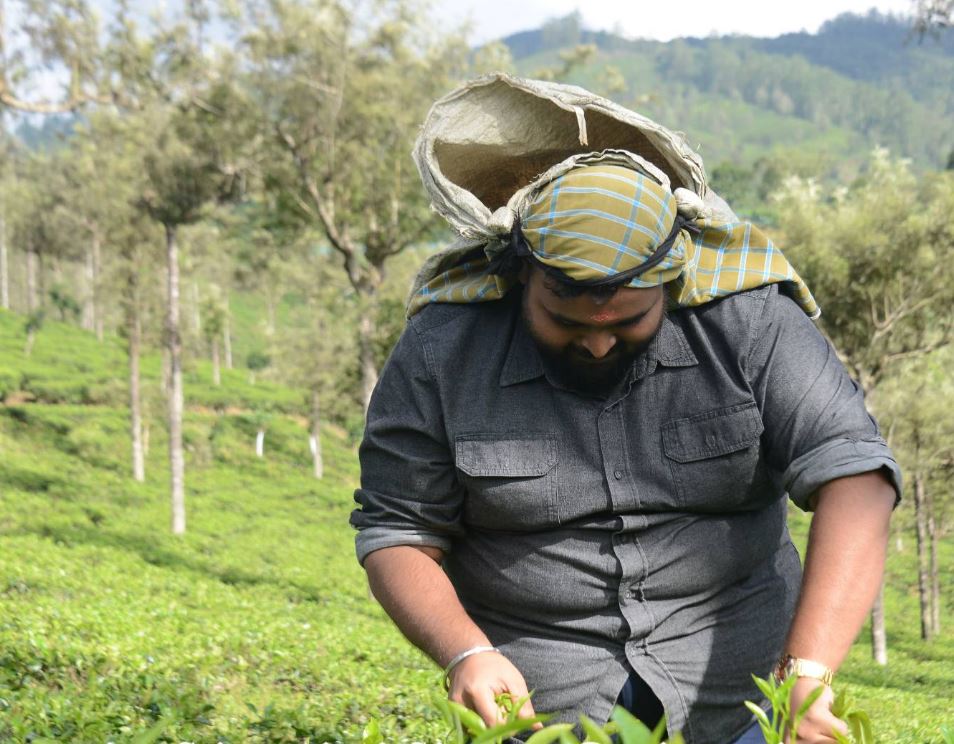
(576, 462)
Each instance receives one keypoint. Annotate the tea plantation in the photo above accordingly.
(256, 625)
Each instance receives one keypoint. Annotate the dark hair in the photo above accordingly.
(566, 290)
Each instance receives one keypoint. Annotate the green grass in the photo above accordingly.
(256, 625)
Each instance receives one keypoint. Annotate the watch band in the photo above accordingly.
(792, 666)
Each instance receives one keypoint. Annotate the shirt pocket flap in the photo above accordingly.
(505, 458)
(713, 433)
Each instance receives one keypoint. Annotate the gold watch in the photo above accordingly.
(792, 666)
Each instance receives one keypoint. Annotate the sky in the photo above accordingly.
(492, 19)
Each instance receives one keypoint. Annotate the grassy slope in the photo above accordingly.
(255, 626)
(108, 623)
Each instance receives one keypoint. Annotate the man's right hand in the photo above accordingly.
(479, 679)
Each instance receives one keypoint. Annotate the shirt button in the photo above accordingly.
(618, 474)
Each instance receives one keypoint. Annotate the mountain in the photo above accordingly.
(817, 102)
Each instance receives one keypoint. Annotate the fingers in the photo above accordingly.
(819, 724)
(526, 711)
(478, 680)
(482, 701)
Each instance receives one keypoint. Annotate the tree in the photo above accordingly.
(182, 178)
(910, 401)
(932, 16)
(879, 256)
(344, 97)
(213, 324)
(62, 34)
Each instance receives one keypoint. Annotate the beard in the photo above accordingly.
(576, 369)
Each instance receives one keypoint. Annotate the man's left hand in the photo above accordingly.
(819, 723)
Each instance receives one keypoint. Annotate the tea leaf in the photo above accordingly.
(860, 725)
(148, 737)
(372, 733)
(593, 732)
(631, 729)
(504, 730)
(550, 734)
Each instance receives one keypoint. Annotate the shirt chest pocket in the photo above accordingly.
(510, 482)
(714, 458)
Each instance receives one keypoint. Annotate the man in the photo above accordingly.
(575, 466)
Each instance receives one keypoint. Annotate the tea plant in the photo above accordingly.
(466, 727)
(779, 695)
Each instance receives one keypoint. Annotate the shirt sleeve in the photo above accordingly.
(409, 492)
(817, 428)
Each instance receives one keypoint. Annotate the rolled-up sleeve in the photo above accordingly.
(409, 492)
(817, 428)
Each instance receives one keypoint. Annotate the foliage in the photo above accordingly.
(834, 95)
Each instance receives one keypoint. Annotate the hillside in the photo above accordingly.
(255, 626)
(816, 101)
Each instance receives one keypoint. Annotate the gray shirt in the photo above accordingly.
(645, 531)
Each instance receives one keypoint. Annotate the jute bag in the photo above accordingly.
(484, 145)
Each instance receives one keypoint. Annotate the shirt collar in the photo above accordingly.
(670, 349)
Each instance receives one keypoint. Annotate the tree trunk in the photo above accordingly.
(216, 371)
(260, 443)
(88, 321)
(98, 314)
(935, 570)
(314, 441)
(135, 400)
(924, 581)
(32, 303)
(174, 345)
(196, 310)
(879, 639)
(4, 264)
(369, 370)
(269, 311)
(227, 335)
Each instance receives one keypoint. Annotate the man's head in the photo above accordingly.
(589, 337)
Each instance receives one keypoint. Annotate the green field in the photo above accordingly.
(256, 625)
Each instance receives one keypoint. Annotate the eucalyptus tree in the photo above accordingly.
(7, 185)
(879, 255)
(910, 401)
(182, 178)
(51, 34)
(343, 93)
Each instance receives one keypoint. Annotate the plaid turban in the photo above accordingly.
(606, 223)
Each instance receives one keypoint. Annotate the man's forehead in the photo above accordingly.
(625, 304)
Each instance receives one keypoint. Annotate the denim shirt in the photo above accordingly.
(645, 531)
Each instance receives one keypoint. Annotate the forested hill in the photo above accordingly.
(811, 99)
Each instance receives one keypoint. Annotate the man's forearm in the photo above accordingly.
(414, 590)
(843, 567)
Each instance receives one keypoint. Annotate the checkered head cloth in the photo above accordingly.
(606, 223)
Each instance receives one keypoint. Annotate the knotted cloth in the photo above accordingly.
(605, 217)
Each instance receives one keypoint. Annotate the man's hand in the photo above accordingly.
(479, 679)
(819, 723)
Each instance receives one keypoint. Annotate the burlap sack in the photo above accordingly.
(482, 145)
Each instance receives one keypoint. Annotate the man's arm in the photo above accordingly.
(844, 564)
(413, 589)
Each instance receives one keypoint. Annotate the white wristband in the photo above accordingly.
(460, 657)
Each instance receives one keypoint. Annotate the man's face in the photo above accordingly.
(589, 342)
